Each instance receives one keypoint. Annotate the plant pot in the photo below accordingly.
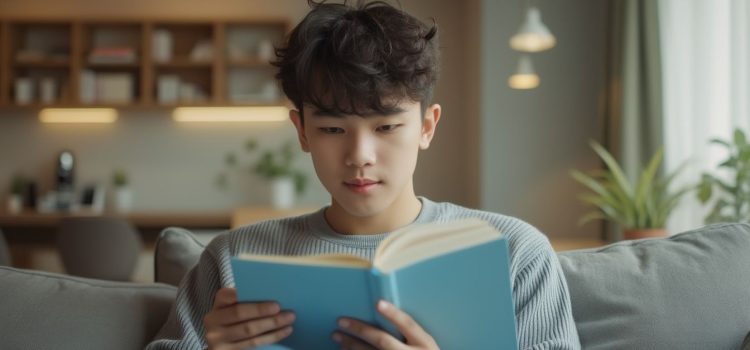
(14, 204)
(282, 193)
(123, 200)
(645, 233)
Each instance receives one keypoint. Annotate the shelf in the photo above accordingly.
(249, 63)
(214, 60)
(42, 64)
(184, 63)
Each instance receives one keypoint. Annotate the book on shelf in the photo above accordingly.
(112, 55)
(453, 278)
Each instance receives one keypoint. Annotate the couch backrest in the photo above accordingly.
(688, 291)
(52, 311)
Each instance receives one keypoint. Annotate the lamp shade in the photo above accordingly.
(525, 77)
(533, 36)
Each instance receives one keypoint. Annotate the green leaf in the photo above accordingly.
(611, 163)
(594, 215)
(739, 138)
(251, 145)
(230, 159)
(704, 191)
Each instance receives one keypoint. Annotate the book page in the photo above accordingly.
(420, 242)
(340, 260)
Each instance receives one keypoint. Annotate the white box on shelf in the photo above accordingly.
(168, 89)
(162, 45)
(87, 89)
(114, 88)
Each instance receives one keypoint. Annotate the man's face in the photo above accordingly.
(367, 164)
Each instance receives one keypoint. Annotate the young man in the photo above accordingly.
(361, 80)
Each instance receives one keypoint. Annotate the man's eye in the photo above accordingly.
(389, 127)
(331, 130)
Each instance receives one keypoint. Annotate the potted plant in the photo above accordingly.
(123, 196)
(640, 209)
(274, 165)
(15, 199)
(731, 195)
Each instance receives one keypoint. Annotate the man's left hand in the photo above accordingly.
(357, 335)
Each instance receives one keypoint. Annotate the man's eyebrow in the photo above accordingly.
(334, 114)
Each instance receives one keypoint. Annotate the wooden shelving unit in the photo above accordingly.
(123, 63)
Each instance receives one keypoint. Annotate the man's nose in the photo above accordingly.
(361, 151)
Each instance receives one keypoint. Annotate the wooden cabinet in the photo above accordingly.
(138, 63)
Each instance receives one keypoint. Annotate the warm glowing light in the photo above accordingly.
(78, 115)
(231, 114)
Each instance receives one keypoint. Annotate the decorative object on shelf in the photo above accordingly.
(265, 50)
(123, 195)
(642, 209)
(533, 36)
(730, 193)
(48, 90)
(162, 45)
(525, 77)
(275, 166)
(15, 198)
(24, 88)
(203, 51)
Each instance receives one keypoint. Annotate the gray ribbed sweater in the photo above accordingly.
(543, 314)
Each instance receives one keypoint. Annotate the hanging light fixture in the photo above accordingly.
(533, 36)
(525, 77)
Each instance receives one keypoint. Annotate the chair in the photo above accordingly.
(99, 247)
(4, 252)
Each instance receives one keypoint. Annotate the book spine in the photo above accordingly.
(383, 286)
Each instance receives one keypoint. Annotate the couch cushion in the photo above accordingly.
(688, 291)
(176, 252)
(43, 310)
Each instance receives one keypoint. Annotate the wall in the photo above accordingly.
(532, 138)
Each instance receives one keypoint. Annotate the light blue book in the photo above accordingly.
(452, 278)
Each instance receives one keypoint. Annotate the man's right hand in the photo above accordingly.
(230, 325)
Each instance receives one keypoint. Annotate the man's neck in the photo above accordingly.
(401, 213)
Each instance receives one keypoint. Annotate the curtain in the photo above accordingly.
(705, 75)
(633, 116)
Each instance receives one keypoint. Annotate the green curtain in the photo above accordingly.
(633, 111)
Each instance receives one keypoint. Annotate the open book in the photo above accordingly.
(452, 278)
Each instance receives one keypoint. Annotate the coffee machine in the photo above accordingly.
(65, 180)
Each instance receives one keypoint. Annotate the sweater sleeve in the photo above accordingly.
(542, 302)
(184, 327)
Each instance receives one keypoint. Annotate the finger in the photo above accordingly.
(265, 339)
(225, 297)
(349, 342)
(370, 334)
(241, 312)
(254, 328)
(410, 329)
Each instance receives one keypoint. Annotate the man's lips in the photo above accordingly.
(362, 185)
(360, 182)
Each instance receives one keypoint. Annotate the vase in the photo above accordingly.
(645, 233)
(282, 193)
(123, 200)
(15, 203)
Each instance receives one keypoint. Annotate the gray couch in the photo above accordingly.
(688, 291)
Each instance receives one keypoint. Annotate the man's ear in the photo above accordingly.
(296, 119)
(429, 124)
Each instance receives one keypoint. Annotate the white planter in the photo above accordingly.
(123, 200)
(282, 193)
(15, 204)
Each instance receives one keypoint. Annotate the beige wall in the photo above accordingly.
(173, 166)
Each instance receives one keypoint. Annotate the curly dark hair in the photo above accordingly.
(362, 59)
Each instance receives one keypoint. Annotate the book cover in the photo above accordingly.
(461, 296)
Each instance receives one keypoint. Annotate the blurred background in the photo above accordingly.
(185, 108)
